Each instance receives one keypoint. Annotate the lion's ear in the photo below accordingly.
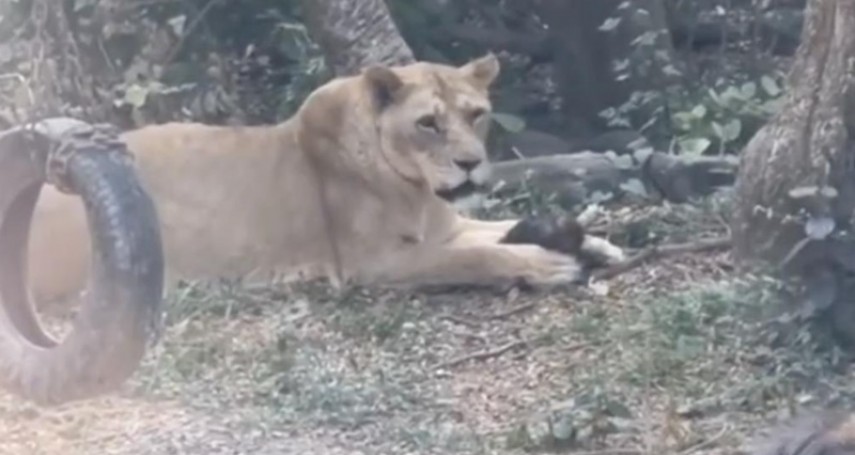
(482, 71)
(384, 83)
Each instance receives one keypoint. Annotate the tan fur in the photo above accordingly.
(250, 201)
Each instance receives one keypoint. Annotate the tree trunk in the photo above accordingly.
(795, 191)
(355, 33)
(604, 51)
(806, 147)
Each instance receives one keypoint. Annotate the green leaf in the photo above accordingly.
(624, 162)
(731, 93)
(620, 65)
(715, 97)
(646, 39)
(828, 192)
(641, 155)
(800, 192)
(671, 70)
(770, 86)
(683, 120)
(699, 111)
(177, 24)
(509, 122)
(718, 130)
(610, 24)
(749, 90)
(136, 95)
(732, 130)
(695, 145)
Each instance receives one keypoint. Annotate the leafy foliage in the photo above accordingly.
(696, 119)
(728, 117)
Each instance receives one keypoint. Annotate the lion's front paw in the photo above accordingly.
(549, 268)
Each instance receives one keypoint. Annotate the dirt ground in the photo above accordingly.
(674, 357)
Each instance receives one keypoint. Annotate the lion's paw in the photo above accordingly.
(549, 268)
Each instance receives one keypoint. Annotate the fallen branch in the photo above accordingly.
(515, 310)
(660, 251)
(483, 355)
(460, 320)
(708, 443)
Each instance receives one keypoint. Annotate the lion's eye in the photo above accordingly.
(476, 114)
(428, 122)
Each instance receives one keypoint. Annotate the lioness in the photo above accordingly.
(356, 185)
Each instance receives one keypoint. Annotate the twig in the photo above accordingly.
(460, 320)
(659, 251)
(515, 310)
(189, 30)
(707, 443)
(577, 346)
(483, 355)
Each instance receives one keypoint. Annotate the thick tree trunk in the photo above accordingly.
(806, 147)
(354, 33)
(795, 191)
(598, 66)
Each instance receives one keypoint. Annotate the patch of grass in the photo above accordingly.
(677, 330)
(299, 355)
(715, 348)
(328, 390)
(619, 370)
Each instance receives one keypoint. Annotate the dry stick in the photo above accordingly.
(460, 320)
(709, 442)
(659, 251)
(514, 310)
(483, 355)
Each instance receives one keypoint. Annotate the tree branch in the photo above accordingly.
(660, 251)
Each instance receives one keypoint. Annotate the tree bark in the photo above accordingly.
(795, 192)
(355, 33)
(806, 145)
(586, 56)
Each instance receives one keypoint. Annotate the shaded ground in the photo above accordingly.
(674, 357)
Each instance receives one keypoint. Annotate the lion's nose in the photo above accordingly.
(467, 165)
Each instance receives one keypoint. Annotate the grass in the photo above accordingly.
(678, 357)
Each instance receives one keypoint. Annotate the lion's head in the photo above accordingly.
(433, 120)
